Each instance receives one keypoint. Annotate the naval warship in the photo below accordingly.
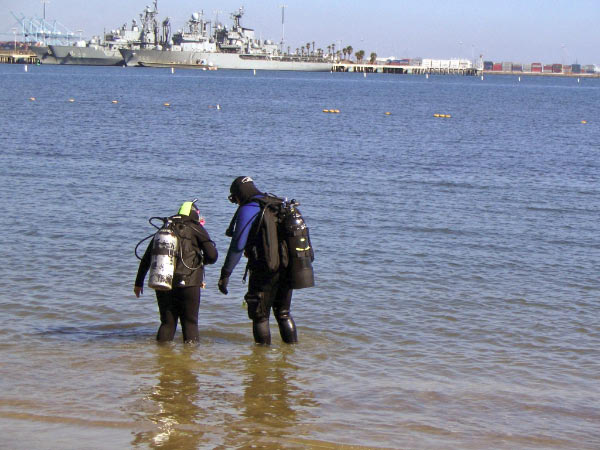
(225, 48)
(98, 52)
(43, 54)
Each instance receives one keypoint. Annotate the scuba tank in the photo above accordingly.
(164, 258)
(295, 234)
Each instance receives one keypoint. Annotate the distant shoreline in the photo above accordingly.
(543, 74)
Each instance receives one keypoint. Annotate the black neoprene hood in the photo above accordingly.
(243, 189)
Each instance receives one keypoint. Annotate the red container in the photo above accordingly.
(497, 67)
(548, 68)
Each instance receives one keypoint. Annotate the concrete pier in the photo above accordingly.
(401, 69)
(17, 57)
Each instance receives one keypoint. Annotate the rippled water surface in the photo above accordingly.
(457, 260)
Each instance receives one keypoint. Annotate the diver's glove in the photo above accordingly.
(224, 281)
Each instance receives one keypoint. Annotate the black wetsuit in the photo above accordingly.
(183, 301)
(266, 289)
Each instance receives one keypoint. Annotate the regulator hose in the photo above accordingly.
(163, 219)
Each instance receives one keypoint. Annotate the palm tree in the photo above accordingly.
(373, 57)
(329, 51)
(359, 55)
(344, 52)
(349, 50)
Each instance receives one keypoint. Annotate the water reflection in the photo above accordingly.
(174, 406)
(275, 404)
(203, 399)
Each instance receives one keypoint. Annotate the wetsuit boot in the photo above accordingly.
(287, 330)
(261, 331)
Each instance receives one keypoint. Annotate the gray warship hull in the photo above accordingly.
(43, 54)
(236, 61)
(88, 56)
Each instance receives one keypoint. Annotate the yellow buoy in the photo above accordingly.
(387, 113)
(447, 116)
(336, 111)
(167, 104)
(584, 121)
(436, 115)
(325, 110)
(32, 99)
(115, 101)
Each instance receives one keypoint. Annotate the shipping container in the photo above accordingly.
(506, 67)
(589, 68)
(488, 65)
(576, 68)
(536, 69)
(556, 68)
(566, 69)
(497, 67)
(527, 68)
(517, 67)
(548, 68)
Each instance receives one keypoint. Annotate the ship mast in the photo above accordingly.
(44, 3)
(282, 26)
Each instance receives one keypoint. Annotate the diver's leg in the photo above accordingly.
(281, 311)
(168, 316)
(190, 298)
(259, 316)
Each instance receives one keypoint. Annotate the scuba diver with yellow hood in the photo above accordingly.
(175, 258)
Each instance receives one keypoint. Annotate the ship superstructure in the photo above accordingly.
(235, 47)
(105, 52)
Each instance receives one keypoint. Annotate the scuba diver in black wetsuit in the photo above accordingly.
(267, 288)
(182, 301)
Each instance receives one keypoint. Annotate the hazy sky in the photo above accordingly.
(549, 31)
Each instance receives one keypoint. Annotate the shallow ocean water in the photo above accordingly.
(456, 264)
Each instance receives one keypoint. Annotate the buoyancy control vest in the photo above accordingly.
(280, 239)
(176, 260)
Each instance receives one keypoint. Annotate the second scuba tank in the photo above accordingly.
(164, 258)
(299, 248)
